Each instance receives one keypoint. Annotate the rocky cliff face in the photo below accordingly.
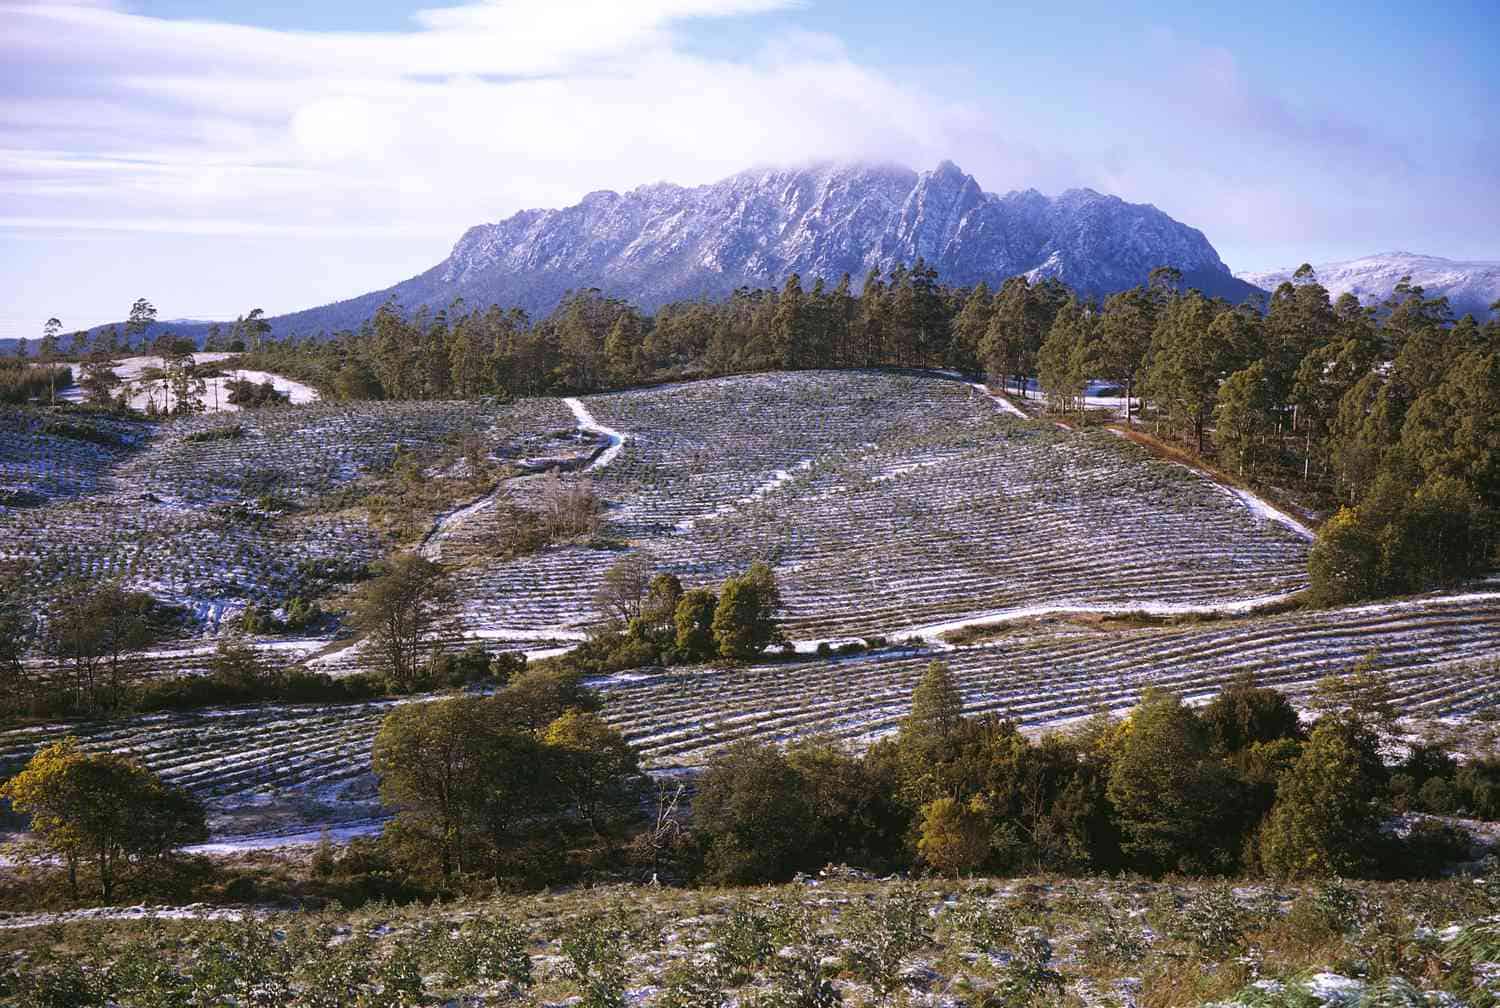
(1470, 287)
(663, 242)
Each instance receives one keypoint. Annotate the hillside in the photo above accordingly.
(905, 508)
(1470, 287)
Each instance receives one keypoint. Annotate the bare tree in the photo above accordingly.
(623, 591)
(398, 608)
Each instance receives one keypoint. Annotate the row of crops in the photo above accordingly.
(217, 511)
(308, 764)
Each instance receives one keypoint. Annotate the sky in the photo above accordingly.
(215, 156)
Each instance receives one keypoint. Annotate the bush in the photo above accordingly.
(595, 950)
(881, 937)
(1213, 923)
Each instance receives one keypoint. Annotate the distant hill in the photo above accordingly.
(663, 242)
(1470, 287)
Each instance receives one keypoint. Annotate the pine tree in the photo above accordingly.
(1327, 812)
(928, 732)
(789, 326)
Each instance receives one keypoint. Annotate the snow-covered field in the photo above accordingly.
(894, 505)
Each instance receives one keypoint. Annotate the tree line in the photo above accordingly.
(528, 785)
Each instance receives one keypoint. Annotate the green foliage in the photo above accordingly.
(798, 974)
(744, 622)
(882, 937)
(1172, 799)
(103, 811)
(742, 944)
(1328, 809)
(983, 926)
(953, 837)
(693, 621)
(595, 951)
(1213, 923)
(1029, 973)
(753, 811)
(397, 609)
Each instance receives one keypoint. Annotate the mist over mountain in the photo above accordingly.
(1470, 287)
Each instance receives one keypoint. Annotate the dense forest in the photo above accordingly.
(1386, 416)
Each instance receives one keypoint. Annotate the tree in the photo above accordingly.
(397, 608)
(753, 810)
(1327, 813)
(1344, 563)
(102, 811)
(1362, 695)
(94, 631)
(929, 730)
(1244, 418)
(744, 621)
(623, 590)
(1175, 807)
(1124, 338)
(458, 776)
(48, 355)
(694, 621)
(789, 326)
(142, 317)
(186, 385)
(1245, 714)
(99, 380)
(254, 329)
(953, 837)
(1063, 358)
(1189, 350)
(597, 768)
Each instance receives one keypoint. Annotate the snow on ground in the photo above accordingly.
(432, 545)
(588, 423)
(215, 398)
(779, 478)
(1261, 508)
(1238, 606)
(278, 841)
(191, 911)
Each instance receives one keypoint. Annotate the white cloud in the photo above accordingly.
(476, 111)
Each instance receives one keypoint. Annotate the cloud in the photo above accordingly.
(475, 111)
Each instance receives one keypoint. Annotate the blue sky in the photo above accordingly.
(216, 156)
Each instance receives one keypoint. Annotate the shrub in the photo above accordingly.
(984, 926)
(881, 937)
(1213, 922)
(595, 950)
(742, 944)
(1029, 974)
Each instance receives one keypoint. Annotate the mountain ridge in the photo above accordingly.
(662, 242)
(1471, 286)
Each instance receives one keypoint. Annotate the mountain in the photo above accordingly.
(1470, 287)
(663, 242)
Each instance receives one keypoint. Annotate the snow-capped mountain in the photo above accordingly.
(663, 242)
(1470, 287)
